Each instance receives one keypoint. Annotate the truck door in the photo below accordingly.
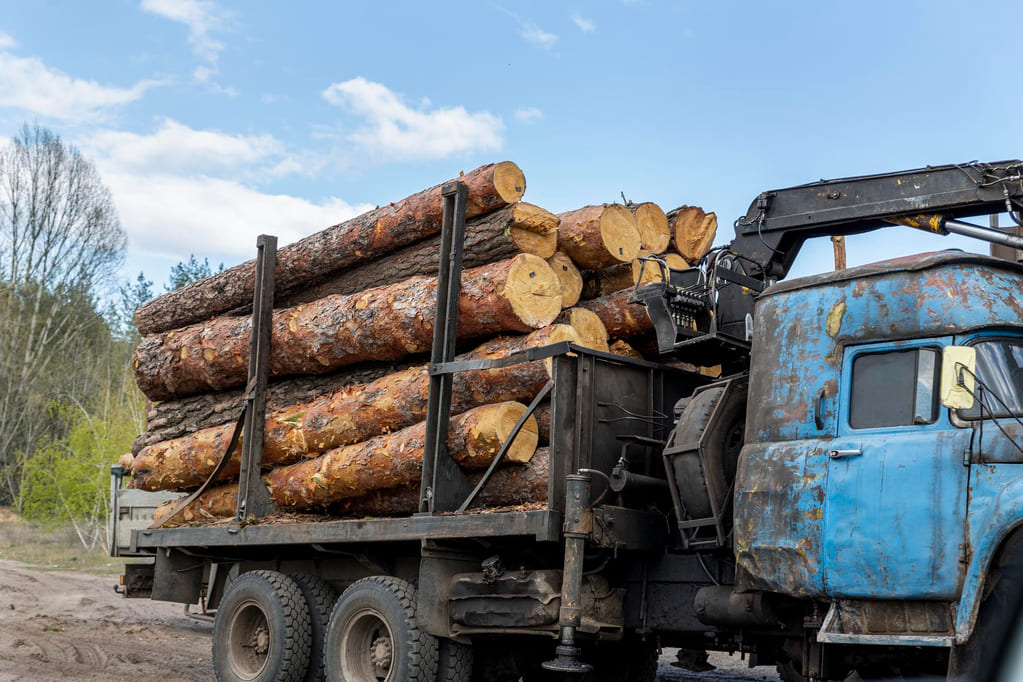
(895, 507)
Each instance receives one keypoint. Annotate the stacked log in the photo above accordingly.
(348, 416)
(360, 239)
(692, 231)
(344, 430)
(383, 323)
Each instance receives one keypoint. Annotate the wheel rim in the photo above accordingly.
(367, 648)
(249, 640)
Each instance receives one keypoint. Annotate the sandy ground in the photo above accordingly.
(63, 625)
(60, 625)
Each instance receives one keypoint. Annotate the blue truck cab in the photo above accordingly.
(856, 486)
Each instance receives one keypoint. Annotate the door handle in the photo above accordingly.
(838, 454)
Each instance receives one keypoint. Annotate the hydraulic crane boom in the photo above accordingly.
(708, 310)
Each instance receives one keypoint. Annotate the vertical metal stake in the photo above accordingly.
(444, 485)
(253, 497)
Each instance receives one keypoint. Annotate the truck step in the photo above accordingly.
(895, 623)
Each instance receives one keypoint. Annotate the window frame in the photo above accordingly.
(845, 427)
(973, 340)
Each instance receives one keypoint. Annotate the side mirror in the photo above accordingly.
(958, 381)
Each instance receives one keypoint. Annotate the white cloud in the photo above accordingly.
(176, 148)
(584, 25)
(528, 114)
(170, 216)
(7, 42)
(536, 35)
(530, 32)
(27, 83)
(203, 19)
(395, 131)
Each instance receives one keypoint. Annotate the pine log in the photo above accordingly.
(592, 333)
(385, 323)
(360, 239)
(693, 231)
(182, 416)
(542, 414)
(621, 318)
(570, 277)
(395, 459)
(654, 232)
(624, 349)
(651, 270)
(597, 283)
(511, 484)
(519, 228)
(350, 415)
(598, 236)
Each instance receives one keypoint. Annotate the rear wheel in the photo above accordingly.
(320, 597)
(262, 630)
(454, 661)
(373, 637)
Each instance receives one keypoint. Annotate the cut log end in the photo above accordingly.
(622, 348)
(570, 277)
(654, 231)
(532, 218)
(651, 271)
(619, 233)
(542, 245)
(693, 231)
(509, 181)
(505, 418)
(587, 325)
(533, 290)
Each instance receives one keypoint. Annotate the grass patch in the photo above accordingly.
(56, 548)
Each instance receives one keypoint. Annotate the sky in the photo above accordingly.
(214, 121)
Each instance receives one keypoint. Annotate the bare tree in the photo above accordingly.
(60, 238)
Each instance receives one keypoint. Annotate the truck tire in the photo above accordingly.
(723, 444)
(262, 630)
(372, 635)
(319, 597)
(454, 661)
(996, 616)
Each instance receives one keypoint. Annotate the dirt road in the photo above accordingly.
(61, 625)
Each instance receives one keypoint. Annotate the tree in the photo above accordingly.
(192, 271)
(60, 241)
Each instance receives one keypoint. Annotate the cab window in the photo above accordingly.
(896, 388)
(1000, 374)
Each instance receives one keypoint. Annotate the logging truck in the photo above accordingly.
(846, 496)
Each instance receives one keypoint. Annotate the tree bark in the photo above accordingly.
(621, 318)
(350, 415)
(512, 484)
(693, 231)
(597, 283)
(385, 323)
(182, 416)
(391, 460)
(519, 228)
(598, 236)
(654, 232)
(542, 414)
(569, 276)
(363, 238)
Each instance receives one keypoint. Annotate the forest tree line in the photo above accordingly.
(68, 402)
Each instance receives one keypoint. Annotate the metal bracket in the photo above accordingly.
(443, 483)
(253, 497)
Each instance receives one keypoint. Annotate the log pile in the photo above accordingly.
(353, 319)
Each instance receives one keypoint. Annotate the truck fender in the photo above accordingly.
(1004, 514)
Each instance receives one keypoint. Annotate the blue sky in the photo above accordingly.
(214, 121)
